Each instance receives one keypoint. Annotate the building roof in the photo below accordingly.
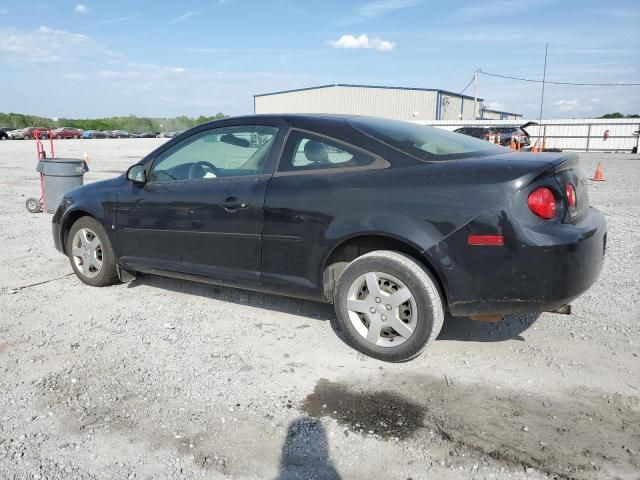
(501, 111)
(367, 86)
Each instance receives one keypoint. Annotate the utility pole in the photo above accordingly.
(475, 94)
(544, 77)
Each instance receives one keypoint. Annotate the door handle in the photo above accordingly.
(232, 204)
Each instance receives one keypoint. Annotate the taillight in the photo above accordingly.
(542, 202)
(571, 195)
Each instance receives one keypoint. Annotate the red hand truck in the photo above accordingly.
(37, 205)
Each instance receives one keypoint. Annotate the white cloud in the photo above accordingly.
(183, 17)
(47, 45)
(495, 106)
(382, 7)
(488, 9)
(78, 66)
(74, 76)
(81, 8)
(4, 11)
(113, 20)
(566, 105)
(375, 9)
(363, 41)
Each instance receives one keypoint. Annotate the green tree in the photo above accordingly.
(131, 123)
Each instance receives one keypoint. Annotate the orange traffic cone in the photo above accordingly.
(512, 143)
(598, 177)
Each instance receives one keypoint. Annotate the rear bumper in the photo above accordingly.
(535, 271)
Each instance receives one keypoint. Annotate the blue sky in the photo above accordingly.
(100, 58)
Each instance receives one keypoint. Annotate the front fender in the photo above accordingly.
(98, 200)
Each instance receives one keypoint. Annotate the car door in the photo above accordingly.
(200, 209)
(317, 178)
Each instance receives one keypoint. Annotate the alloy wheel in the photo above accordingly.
(86, 251)
(382, 309)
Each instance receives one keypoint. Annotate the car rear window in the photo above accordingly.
(424, 143)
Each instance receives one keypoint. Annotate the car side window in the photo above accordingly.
(220, 152)
(304, 152)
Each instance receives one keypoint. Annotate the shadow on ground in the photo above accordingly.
(454, 328)
(305, 453)
(465, 330)
(276, 303)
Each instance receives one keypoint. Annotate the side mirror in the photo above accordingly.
(136, 174)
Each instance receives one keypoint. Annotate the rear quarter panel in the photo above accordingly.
(307, 216)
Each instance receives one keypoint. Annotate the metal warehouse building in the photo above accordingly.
(388, 102)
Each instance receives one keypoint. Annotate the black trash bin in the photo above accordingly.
(59, 176)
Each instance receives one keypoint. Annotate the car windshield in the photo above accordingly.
(424, 143)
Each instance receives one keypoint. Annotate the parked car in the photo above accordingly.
(25, 133)
(146, 135)
(168, 134)
(378, 217)
(118, 134)
(66, 132)
(94, 134)
(4, 133)
(505, 133)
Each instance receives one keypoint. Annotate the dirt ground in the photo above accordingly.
(163, 378)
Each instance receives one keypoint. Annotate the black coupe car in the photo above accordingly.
(393, 222)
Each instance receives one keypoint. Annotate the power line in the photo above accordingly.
(561, 83)
(470, 82)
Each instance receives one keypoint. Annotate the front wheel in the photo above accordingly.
(388, 306)
(34, 205)
(91, 254)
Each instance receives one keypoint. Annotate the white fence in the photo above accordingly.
(585, 135)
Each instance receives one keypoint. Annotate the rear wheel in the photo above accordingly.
(91, 254)
(388, 306)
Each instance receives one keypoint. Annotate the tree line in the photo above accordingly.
(619, 115)
(129, 123)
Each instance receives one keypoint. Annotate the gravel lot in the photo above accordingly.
(168, 378)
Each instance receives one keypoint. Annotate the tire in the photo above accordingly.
(33, 205)
(81, 240)
(43, 137)
(59, 137)
(422, 313)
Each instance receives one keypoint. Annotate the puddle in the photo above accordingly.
(381, 413)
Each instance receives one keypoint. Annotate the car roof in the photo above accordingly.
(307, 120)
